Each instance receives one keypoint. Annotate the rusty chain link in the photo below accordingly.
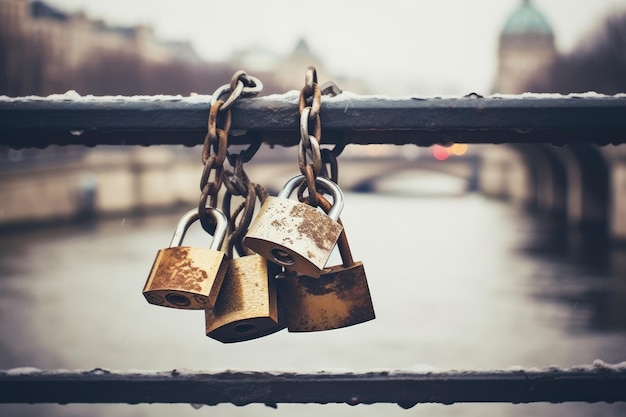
(312, 159)
(237, 231)
(309, 104)
(329, 157)
(330, 167)
(215, 147)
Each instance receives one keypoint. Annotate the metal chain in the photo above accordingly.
(246, 210)
(329, 157)
(309, 149)
(241, 85)
(238, 231)
(215, 147)
(310, 103)
(237, 183)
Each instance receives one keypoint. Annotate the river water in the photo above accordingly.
(458, 282)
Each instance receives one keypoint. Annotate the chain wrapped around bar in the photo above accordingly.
(310, 103)
(215, 148)
(310, 137)
(330, 168)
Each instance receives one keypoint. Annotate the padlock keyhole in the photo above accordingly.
(177, 300)
(282, 257)
(244, 328)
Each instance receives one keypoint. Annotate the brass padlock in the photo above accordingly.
(296, 235)
(340, 297)
(247, 305)
(188, 277)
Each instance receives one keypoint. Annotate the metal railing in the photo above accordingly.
(347, 119)
(588, 384)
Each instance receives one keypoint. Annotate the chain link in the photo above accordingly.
(310, 103)
(215, 147)
(246, 210)
(329, 160)
(241, 85)
(309, 184)
(248, 153)
(329, 157)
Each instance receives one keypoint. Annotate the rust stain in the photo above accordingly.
(320, 229)
(178, 270)
(338, 298)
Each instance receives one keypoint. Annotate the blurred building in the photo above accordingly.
(526, 50)
(60, 43)
(287, 72)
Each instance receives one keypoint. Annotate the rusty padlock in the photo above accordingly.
(296, 235)
(340, 297)
(247, 305)
(188, 277)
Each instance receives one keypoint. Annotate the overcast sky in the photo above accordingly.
(425, 46)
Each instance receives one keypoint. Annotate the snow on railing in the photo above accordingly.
(598, 382)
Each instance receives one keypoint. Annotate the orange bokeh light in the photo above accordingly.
(459, 149)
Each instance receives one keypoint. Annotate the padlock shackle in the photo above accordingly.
(221, 227)
(342, 242)
(333, 188)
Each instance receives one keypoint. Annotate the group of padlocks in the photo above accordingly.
(282, 283)
(280, 278)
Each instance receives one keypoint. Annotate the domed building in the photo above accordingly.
(526, 51)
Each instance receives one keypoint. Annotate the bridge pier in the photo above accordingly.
(504, 175)
(618, 203)
(581, 186)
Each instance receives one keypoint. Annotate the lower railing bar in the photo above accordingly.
(605, 384)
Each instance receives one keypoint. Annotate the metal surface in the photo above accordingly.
(406, 389)
(247, 305)
(340, 297)
(187, 277)
(38, 122)
(296, 235)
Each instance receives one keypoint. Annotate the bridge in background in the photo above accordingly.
(561, 155)
(124, 180)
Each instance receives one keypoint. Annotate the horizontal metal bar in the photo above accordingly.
(348, 118)
(240, 388)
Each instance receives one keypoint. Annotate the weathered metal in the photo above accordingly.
(247, 305)
(403, 388)
(295, 235)
(348, 118)
(339, 297)
(187, 277)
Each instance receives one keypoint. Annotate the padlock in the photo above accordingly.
(247, 305)
(188, 277)
(296, 235)
(339, 297)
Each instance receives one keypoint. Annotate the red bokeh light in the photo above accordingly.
(440, 153)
